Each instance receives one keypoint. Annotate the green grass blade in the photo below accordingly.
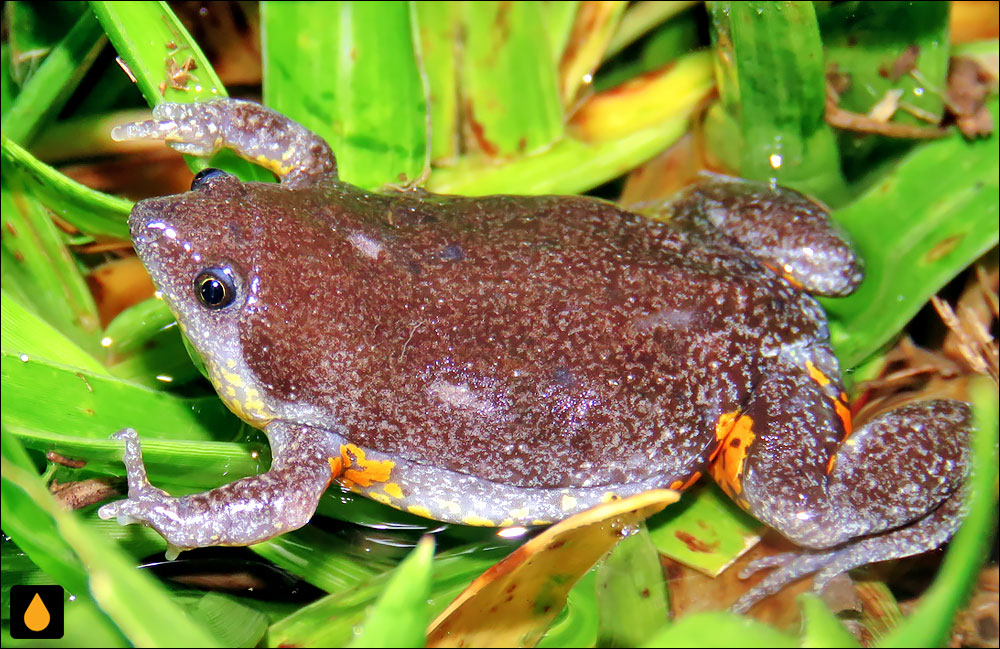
(157, 49)
(931, 622)
(510, 92)
(577, 626)
(719, 630)
(154, 45)
(354, 81)
(821, 628)
(569, 167)
(572, 165)
(161, 364)
(559, 18)
(38, 267)
(47, 90)
(705, 530)
(42, 396)
(399, 617)
(146, 347)
(331, 621)
(642, 17)
(33, 29)
(93, 563)
(235, 624)
(322, 559)
(28, 336)
(932, 216)
(92, 212)
(137, 325)
(868, 45)
(439, 28)
(673, 39)
(772, 85)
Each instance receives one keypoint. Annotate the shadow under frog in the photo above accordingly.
(511, 360)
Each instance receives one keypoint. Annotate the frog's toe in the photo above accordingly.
(128, 512)
(117, 510)
(791, 567)
(773, 561)
(139, 487)
(922, 535)
(188, 128)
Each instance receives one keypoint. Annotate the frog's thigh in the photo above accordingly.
(903, 463)
(820, 485)
(445, 495)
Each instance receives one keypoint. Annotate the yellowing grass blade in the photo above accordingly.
(512, 603)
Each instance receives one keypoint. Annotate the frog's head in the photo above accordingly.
(199, 248)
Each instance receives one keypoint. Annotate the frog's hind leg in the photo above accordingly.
(244, 512)
(929, 532)
(887, 490)
(784, 230)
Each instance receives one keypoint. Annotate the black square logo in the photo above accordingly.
(36, 612)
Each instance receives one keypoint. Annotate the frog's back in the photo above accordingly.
(538, 342)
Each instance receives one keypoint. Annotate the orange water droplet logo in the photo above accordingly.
(36, 616)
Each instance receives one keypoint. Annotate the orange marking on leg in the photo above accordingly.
(785, 276)
(727, 468)
(817, 375)
(336, 468)
(791, 280)
(684, 485)
(695, 477)
(362, 471)
(722, 429)
(845, 416)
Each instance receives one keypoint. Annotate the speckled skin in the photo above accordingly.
(512, 360)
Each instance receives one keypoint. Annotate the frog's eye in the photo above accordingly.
(215, 288)
(203, 177)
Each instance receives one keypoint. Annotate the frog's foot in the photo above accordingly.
(253, 132)
(140, 491)
(247, 511)
(143, 497)
(926, 534)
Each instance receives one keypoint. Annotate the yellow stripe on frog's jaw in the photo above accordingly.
(243, 399)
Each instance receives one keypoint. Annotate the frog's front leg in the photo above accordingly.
(256, 133)
(888, 490)
(247, 511)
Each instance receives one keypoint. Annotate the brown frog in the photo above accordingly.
(512, 360)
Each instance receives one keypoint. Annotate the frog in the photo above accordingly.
(514, 360)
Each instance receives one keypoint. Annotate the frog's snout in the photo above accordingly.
(138, 224)
(149, 224)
